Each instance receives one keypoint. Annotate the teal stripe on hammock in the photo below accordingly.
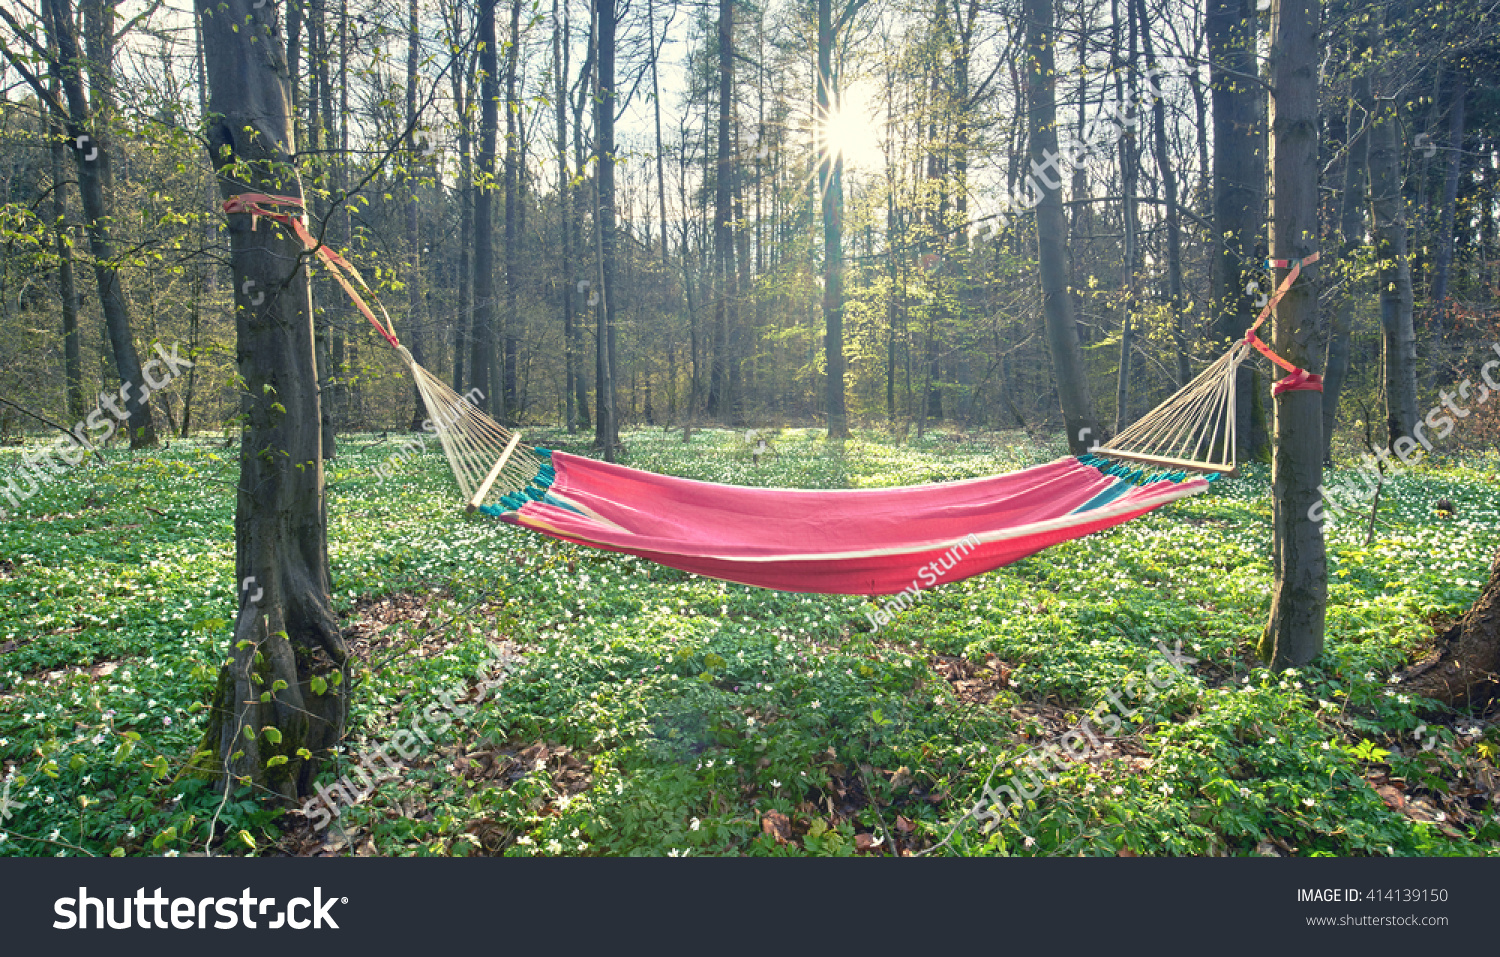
(1120, 487)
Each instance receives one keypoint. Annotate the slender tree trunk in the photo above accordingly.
(1351, 232)
(512, 212)
(1051, 226)
(276, 695)
(318, 137)
(348, 391)
(416, 286)
(1444, 266)
(92, 162)
(66, 286)
(721, 398)
(463, 96)
(831, 179)
(1239, 178)
(1294, 634)
(1173, 219)
(581, 216)
(1130, 168)
(1388, 216)
(661, 173)
(482, 359)
(194, 337)
(565, 217)
(606, 425)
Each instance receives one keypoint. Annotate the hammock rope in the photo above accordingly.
(474, 444)
(1195, 428)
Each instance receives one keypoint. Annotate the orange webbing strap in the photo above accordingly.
(257, 205)
(1300, 380)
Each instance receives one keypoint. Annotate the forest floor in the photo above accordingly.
(598, 704)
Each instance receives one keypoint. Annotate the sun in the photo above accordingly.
(853, 130)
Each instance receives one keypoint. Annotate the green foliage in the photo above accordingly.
(654, 712)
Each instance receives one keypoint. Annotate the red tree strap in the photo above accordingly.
(1300, 380)
(256, 205)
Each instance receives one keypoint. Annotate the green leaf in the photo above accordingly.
(272, 734)
(277, 761)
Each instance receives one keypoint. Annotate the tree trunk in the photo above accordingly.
(92, 161)
(1169, 193)
(1239, 179)
(1465, 670)
(66, 287)
(319, 126)
(482, 359)
(512, 212)
(721, 400)
(1051, 227)
(416, 286)
(580, 207)
(1351, 237)
(279, 692)
(1444, 266)
(1294, 635)
(565, 217)
(606, 424)
(461, 81)
(831, 179)
(1388, 216)
(1130, 168)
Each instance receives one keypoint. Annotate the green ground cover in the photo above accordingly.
(646, 711)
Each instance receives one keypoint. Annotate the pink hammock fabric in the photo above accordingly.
(848, 541)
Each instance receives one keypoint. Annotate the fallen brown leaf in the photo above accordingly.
(777, 825)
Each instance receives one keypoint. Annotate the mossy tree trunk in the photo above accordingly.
(278, 707)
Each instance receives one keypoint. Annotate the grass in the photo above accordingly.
(652, 712)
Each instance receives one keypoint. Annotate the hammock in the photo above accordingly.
(849, 541)
(846, 541)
